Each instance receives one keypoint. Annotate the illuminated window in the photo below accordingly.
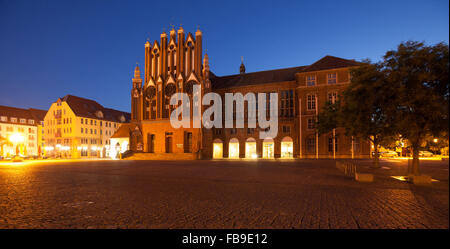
(250, 148)
(268, 148)
(217, 148)
(287, 148)
(3, 118)
(233, 148)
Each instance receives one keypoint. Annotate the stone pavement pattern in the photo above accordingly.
(217, 194)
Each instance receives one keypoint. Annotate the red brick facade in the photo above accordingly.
(176, 65)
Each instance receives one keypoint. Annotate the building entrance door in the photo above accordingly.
(268, 148)
(168, 144)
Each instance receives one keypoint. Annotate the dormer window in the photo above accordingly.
(31, 121)
(14, 120)
(311, 80)
(23, 121)
(99, 114)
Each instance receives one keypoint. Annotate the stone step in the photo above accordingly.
(162, 156)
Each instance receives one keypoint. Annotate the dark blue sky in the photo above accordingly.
(89, 48)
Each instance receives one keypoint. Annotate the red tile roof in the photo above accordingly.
(91, 109)
(278, 75)
(31, 113)
(261, 77)
(330, 62)
(124, 130)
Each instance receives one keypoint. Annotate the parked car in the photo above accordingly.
(388, 153)
(425, 153)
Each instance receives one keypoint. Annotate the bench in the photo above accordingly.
(349, 169)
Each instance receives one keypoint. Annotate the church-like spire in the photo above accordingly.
(242, 67)
(137, 72)
(206, 62)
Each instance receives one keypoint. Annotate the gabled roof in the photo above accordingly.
(124, 130)
(38, 114)
(278, 75)
(31, 113)
(89, 108)
(255, 78)
(330, 62)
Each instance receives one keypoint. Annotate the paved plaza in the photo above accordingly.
(218, 194)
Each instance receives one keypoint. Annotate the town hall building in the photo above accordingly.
(176, 64)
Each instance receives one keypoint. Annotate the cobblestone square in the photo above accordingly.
(218, 194)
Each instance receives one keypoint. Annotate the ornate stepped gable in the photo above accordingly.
(172, 65)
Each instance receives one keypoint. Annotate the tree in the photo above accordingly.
(361, 110)
(3, 141)
(418, 76)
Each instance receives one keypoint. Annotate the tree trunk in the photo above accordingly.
(414, 170)
(376, 158)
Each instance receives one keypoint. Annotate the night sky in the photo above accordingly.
(89, 48)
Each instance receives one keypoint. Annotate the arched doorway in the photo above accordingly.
(268, 148)
(287, 147)
(250, 148)
(233, 148)
(217, 148)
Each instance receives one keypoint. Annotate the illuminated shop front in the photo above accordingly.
(287, 148)
(268, 148)
(217, 149)
(233, 148)
(250, 148)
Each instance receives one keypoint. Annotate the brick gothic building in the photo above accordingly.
(175, 65)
